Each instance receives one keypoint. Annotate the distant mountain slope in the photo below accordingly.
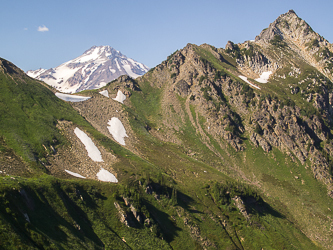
(93, 69)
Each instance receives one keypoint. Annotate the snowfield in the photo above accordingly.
(74, 174)
(105, 93)
(71, 98)
(117, 130)
(244, 78)
(104, 175)
(263, 78)
(93, 151)
(120, 97)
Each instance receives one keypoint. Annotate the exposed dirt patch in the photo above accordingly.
(75, 157)
(99, 109)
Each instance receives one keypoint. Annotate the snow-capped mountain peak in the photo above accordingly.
(93, 69)
(95, 53)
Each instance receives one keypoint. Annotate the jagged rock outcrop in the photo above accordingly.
(259, 141)
(291, 31)
(122, 215)
(241, 207)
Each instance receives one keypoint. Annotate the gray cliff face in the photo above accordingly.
(288, 20)
(93, 69)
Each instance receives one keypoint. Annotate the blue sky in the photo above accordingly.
(147, 31)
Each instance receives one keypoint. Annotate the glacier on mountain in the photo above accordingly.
(93, 69)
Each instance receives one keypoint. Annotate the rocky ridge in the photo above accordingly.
(230, 108)
(300, 38)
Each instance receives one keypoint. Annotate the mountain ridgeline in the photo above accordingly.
(214, 148)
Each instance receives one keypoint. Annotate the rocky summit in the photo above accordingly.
(93, 69)
(214, 148)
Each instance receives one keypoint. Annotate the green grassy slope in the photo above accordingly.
(29, 113)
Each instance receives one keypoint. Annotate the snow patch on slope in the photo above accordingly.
(71, 98)
(74, 174)
(244, 78)
(120, 97)
(104, 175)
(105, 93)
(117, 130)
(263, 78)
(93, 151)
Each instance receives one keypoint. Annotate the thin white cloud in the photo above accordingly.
(43, 28)
(25, 28)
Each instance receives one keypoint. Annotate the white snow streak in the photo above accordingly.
(117, 130)
(104, 175)
(120, 97)
(263, 78)
(244, 78)
(71, 98)
(74, 174)
(117, 64)
(129, 71)
(92, 150)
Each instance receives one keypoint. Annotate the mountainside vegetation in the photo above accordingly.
(225, 149)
